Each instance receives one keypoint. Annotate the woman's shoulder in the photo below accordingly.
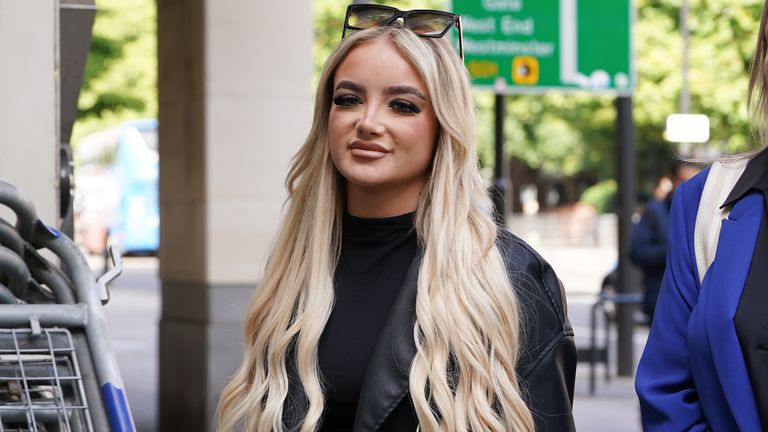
(540, 295)
(524, 264)
(517, 254)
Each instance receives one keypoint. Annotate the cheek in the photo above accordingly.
(337, 132)
(425, 135)
(333, 128)
(420, 149)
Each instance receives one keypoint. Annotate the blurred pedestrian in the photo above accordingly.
(704, 366)
(664, 187)
(648, 242)
(391, 301)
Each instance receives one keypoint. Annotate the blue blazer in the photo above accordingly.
(692, 375)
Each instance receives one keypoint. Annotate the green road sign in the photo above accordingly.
(536, 45)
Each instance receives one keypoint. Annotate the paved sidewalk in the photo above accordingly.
(613, 408)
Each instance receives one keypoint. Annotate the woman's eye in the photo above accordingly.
(404, 107)
(346, 100)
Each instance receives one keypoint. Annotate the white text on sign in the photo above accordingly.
(511, 26)
(502, 5)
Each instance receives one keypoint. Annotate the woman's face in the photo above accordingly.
(382, 128)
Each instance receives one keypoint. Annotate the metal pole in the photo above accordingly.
(685, 94)
(625, 176)
(499, 188)
(593, 347)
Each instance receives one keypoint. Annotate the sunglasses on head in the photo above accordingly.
(424, 22)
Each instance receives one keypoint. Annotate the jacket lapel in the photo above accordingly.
(386, 381)
(727, 278)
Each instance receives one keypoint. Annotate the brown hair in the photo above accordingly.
(758, 84)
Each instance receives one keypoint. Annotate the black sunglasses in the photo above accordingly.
(424, 22)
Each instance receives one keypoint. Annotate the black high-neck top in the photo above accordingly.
(375, 256)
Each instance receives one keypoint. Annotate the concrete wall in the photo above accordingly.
(258, 101)
(29, 101)
(235, 105)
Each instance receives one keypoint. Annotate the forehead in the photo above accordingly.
(379, 63)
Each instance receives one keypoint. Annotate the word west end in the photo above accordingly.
(506, 25)
(503, 35)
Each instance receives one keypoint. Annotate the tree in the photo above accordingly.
(120, 81)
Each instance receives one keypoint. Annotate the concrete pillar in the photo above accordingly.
(29, 89)
(235, 105)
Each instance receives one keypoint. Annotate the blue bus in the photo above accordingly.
(116, 188)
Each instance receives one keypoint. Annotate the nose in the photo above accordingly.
(369, 122)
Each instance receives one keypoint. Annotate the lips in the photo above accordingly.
(367, 150)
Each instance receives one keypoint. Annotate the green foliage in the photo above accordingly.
(120, 80)
(601, 196)
(562, 134)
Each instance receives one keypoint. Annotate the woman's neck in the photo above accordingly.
(384, 202)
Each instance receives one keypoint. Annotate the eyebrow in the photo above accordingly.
(405, 90)
(349, 85)
(394, 90)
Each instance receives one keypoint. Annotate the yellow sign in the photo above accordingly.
(483, 68)
(525, 70)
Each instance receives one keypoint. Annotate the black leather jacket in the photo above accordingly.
(547, 366)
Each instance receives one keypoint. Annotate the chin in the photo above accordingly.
(364, 183)
(362, 177)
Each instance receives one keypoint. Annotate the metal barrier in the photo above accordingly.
(595, 354)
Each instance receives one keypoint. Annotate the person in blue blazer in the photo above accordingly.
(705, 365)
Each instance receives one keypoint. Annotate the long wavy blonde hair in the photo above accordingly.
(467, 321)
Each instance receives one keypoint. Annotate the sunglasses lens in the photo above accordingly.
(428, 23)
(365, 18)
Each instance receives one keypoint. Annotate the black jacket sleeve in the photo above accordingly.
(547, 363)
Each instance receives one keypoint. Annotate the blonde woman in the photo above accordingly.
(391, 301)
